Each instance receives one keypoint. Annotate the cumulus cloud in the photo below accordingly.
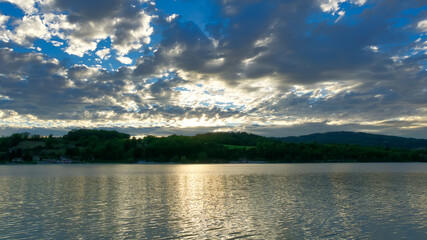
(3, 20)
(32, 82)
(104, 53)
(26, 5)
(124, 60)
(131, 33)
(41, 87)
(302, 52)
(84, 25)
(126, 25)
(79, 47)
(259, 66)
(4, 32)
(28, 29)
(281, 45)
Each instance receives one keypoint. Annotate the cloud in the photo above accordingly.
(302, 52)
(183, 46)
(104, 53)
(4, 33)
(422, 26)
(127, 26)
(171, 17)
(90, 10)
(26, 5)
(259, 66)
(85, 24)
(28, 29)
(124, 60)
(33, 83)
(56, 43)
(41, 87)
(80, 47)
(3, 19)
(132, 33)
(333, 6)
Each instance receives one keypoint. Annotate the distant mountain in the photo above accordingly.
(359, 138)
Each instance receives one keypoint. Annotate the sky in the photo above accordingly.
(272, 67)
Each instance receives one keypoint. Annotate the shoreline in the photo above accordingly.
(177, 163)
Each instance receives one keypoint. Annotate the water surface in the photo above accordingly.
(254, 201)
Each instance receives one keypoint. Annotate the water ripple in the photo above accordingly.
(213, 202)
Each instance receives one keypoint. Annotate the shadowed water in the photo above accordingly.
(283, 201)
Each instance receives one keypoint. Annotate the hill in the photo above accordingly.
(86, 145)
(359, 138)
(232, 138)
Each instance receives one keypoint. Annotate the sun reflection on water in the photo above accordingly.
(211, 202)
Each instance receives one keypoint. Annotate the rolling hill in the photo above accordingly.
(359, 138)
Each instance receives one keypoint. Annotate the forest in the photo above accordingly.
(102, 146)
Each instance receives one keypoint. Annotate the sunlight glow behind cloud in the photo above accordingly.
(268, 67)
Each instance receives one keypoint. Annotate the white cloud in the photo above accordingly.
(126, 33)
(30, 27)
(80, 47)
(373, 48)
(134, 38)
(84, 36)
(81, 38)
(330, 5)
(104, 53)
(422, 26)
(26, 5)
(58, 24)
(29, 6)
(333, 6)
(4, 33)
(3, 19)
(171, 17)
(341, 15)
(87, 36)
(56, 43)
(124, 60)
(42, 26)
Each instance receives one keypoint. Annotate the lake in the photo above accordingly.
(232, 201)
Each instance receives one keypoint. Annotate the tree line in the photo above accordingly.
(85, 145)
